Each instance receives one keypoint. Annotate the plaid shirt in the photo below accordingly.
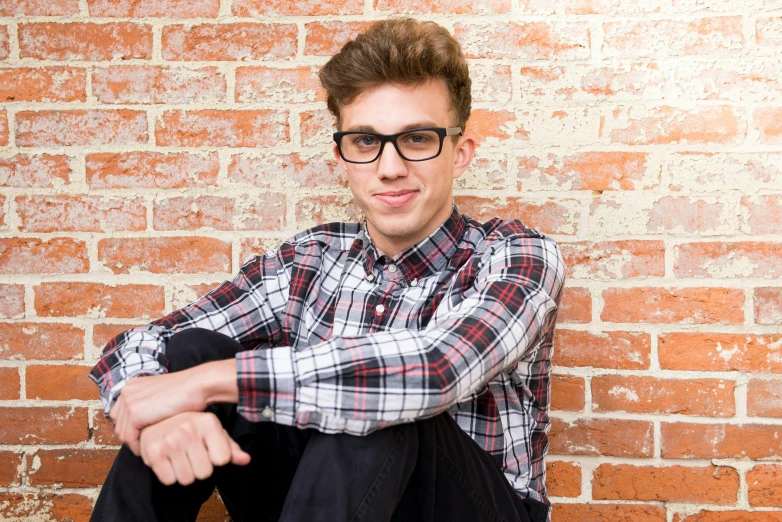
(344, 340)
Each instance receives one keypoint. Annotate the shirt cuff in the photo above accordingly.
(266, 379)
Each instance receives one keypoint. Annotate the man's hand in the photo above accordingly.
(187, 446)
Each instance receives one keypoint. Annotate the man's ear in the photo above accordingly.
(465, 152)
(342, 163)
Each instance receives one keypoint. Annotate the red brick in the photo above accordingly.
(698, 485)
(730, 516)
(763, 213)
(44, 506)
(654, 38)
(287, 170)
(165, 255)
(34, 256)
(636, 394)
(3, 121)
(327, 38)
(183, 295)
(619, 350)
(607, 513)
(673, 305)
(768, 305)
(614, 259)
(256, 246)
(563, 479)
(80, 214)
(98, 300)
(575, 306)
(765, 483)
(152, 170)
(316, 129)
(539, 40)
(213, 510)
(449, 7)
(39, 7)
(158, 84)
(81, 127)
(764, 398)
(229, 42)
(10, 384)
(257, 212)
(768, 30)
(315, 210)
(718, 441)
(732, 260)
(5, 49)
(266, 84)
(10, 464)
(158, 8)
(38, 170)
(720, 352)
(549, 215)
(586, 171)
(607, 437)
(306, 8)
(767, 122)
(43, 84)
(71, 468)
(218, 128)
(489, 126)
(567, 393)
(85, 41)
(102, 432)
(103, 333)
(40, 341)
(67, 425)
(60, 383)
(11, 301)
(665, 125)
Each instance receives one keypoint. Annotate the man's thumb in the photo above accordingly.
(238, 456)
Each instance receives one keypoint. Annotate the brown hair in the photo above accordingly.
(398, 50)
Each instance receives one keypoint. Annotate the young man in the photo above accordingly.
(395, 369)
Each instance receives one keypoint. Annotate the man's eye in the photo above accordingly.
(417, 139)
(365, 141)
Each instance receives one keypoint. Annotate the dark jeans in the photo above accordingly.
(423, 471)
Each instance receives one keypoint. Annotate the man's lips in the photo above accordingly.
(396, 198)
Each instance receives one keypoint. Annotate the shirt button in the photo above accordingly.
(371, 277)
(414, 282)
(392, 268)
(267, 413)
(380, 309)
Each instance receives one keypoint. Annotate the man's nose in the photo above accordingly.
(390, 164)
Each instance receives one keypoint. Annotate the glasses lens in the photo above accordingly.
(419, 144)
(360, 147)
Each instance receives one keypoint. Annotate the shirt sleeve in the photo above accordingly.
(363, 383)
(246, 309)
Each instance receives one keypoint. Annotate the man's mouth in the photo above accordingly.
(396, 198)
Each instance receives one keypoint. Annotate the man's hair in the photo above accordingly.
(402, 51)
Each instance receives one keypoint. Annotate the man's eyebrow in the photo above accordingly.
(370, 128)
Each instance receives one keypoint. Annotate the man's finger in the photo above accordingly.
(164, 472)
(238, 455)
(182, 469)
(199, 459)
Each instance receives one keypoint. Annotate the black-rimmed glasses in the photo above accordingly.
(412, 145)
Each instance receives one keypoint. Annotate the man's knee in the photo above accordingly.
(194, 346)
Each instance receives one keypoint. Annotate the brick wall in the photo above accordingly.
(147, 148)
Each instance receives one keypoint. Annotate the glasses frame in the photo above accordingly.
(442, 132)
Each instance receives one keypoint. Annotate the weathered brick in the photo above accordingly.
(549, 215)
(763, 214)
(39, 7)
(673, 305)
(59, 383)
(490, 82)
(152, 170)
(98, 300)
(183, 295)
(10, 384)
(10, 466)
(450, 7)
(220, 128)
(720, 352)
(64, 425)
(491, 127)
(608, 513)
(213, 510)
(563, 479)
(586, 171)
(768, 30)
(102, 432)
(80, 214)
(44, 506)
(721, 172)
(327, 38)
(5, 48)
(71, 468)
(614, 259)
(730, 516)
(305, 8)
(317, 128)
(81, 127)
(3, 120)
(567, 393)
(764, 398)
(289, 171)
(768, 305)
(575, 306)
(257, 246)
(539, 40)
(610, 437)
(637, 394)
(653, 38)
(85, 41)
(229, 42)
(484, 173)
(744, 80)
(718, 441)
(40, 341)
(767, 122)
(266, 84)
(732, 260)
(697, 485)
(256, 212)
(103, 333)
(764, 482)
(43, 84)
(619, 350)
(314, 210)
(11, 301)
(158, 8)
(34, 256)
(158, 84)
(165, 255)
(37, 170)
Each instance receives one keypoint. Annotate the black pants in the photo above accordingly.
(423, 471)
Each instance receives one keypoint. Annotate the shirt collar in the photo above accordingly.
(428, 257)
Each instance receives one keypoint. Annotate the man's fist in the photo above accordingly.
(187, 446)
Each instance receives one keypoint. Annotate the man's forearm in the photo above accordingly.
(219, 381)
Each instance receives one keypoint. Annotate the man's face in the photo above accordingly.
(404, 201)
